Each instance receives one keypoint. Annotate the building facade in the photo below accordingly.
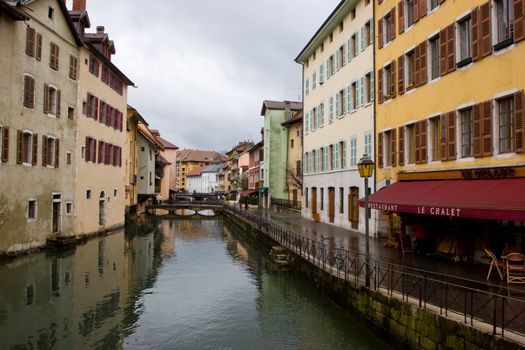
(149, 148)
(189, 159)
(294, 168)
(450, 112)
(37, 123)
(131, 150)
(256, 156)
(338, 114)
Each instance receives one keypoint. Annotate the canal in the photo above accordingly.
(189, 284)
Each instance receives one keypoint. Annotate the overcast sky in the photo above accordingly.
(203, 68)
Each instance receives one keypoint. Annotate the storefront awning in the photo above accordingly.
(498, 199)
(248, 192)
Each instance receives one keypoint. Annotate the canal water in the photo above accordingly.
(188, 284)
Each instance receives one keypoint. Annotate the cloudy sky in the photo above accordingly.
(203, 68)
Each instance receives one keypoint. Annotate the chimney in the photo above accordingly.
(79, 5)
(287, 112)
(100, 29)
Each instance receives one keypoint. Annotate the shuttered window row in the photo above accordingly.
(54, 54)
(50, 151)
(33, 43)
(109, 154)
(104, 113)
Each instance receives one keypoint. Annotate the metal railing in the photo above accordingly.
(469, 301)
(287, 203)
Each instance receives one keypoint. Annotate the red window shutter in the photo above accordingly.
(100, 151)
(451, 48)
(96, 109)
(485, 36)
(423, 73)
(94, 156)
(30, 41)
(519, 20)
(46, 98)
(393, 148)
(486, 128)
(380, 150)
(444, 138)
(474, 16)
(57, 153)
(380, 33)
(20, 148)
(58, 103)
(518, 121)
(115, 155)
(443, 52)
(451, 123)
(38, 54)
(120, 158)
(401, 145)
(417, 141)
(121, 120)
(415, 10)
(379, 90)
(44, 150)
(393, 23)
(5, 144)
(422, 8)
(35, 149)
(401, 74)
(393, 80)
(423, 143)
(106, 161)
(88, 106)
(86, 150)
(400, 14)
(417, 67)
(476, 130)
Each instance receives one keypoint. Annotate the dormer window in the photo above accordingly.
(51, 13)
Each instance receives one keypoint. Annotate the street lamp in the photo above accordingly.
(366, 168)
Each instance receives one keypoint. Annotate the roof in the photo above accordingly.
(326, 28)
(166, 144)
(297, 118)
(269, 104)
(162, 160)
(256, 146)
(194, 155)
(143, 129)
(11, 11)
(213, 168)
(196, 172)
(107, 62)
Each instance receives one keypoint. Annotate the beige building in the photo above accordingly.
(39, 83)
(294, 169)
(101, 134)
(189, 159)
(338, 114)
(167, 157)
(132, 157)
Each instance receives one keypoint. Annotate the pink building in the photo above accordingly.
(254, 169)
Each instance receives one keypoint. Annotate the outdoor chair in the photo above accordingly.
(494, 263)
(515, 263)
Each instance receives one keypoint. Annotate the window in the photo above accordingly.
(92, 107)
(105, 77)
(322, 199)
(352, 14)
(73, 67)
(331, 116)
(341, 54)
(368, 145)
(409, 10)
(94, 66)
(410, 70)
(504, 20)
(466, 132)
(353, 98)
(68, 158)
(4, 144)
(506, 124)
(38, 54)
(433, 57)
(29, 91)
(291, 143)
(465, 40)
(321, 74)
(331, 38)
(306, 197)
(115, 193)
(27, 148)
(341, 200)
(342, 154)
(314, 81)
(387, 81)
(387, 26)
(435, 127)
(353, 43)
(367, 2)
(54, 52)
(50, 151)
(30, 41)
(91, 150)
(51, 13)
(367, 34)
(70, 112)
(369, 87)
(353, 152)
(31, 210)
(307, 87)
(353, 207)
(411, 144)
(69, 208)
(341, 27)
(330, 68)
(339, 102)
(389, 147)
(51, 100)
(432, 4)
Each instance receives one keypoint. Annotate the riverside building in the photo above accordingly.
(338, 114)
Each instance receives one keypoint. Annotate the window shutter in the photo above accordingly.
(44, 150)
(417, 143)
(474, 17)
(362, 90)
(58, 103)
(337, 105)
(363, 44)
(451, 142)
(372, 38)
(46, 98)
(393, 80)
(35, 149)
(380, 86)
(415, 5)
(444, 138)
(401, 74)
(95, 116)
(423, 127)
(401, 145)
(121, 119)
(485, 37)
(393, 149)
(30, 41)
(393, 23)
(115, 155)
(29, 91)
(337, 64)
(100, 151)
(443, 51)
(106, 161)
(486, 128)
(423, 73)
(451, 48)
(5, 144)
(38, 54)
(372, 86)
(345, 101)
(518, 121)
(519, 20)
(57, 153)
(380, 33)
(476, 130)
(88, 106)
(417, 66)
(20, 148)
(86, 150)
(422, 8)
(93, 157)
(380, 150)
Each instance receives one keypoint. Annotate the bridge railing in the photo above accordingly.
(471, 301)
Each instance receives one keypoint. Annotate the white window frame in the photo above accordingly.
(435, 38)
(36, 210)
(466, 17)
(494, 20)
(30, 147)
(51, 154)
(54, 105)
(69, 213)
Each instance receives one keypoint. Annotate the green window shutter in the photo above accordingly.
(357, 94)
(337, 102)
(372, 86)
(311, 122)
(345, 101)
(349, 50)
(331, 116)
(321, 74)
(357, 48)
(322, 113)
(344, 165)
(307, 87)
(362, 98)
(363, 38)
(337, 63)
(345, 59)
(371, 31)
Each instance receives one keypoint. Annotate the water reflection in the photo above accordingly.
(191, 284)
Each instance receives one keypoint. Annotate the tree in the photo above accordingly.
(295, 177)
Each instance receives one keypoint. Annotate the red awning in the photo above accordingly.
(248, 192)
(499, 199)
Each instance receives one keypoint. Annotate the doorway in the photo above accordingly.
(294, 198)
(314, 201)
(331, 204)
(55, 213)
(102, 209)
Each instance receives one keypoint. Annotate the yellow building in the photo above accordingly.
(294, 168)
(449, 110)
(131, 150)
(189, 159)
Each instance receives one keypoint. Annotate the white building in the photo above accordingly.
(338, 114)
(203, 179)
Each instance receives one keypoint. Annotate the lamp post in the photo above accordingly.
(366, 168)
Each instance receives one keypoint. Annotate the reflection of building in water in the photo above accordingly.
(242, 252)
(167, 247)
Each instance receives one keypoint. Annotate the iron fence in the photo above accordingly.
(469, 301)
(287, 203)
